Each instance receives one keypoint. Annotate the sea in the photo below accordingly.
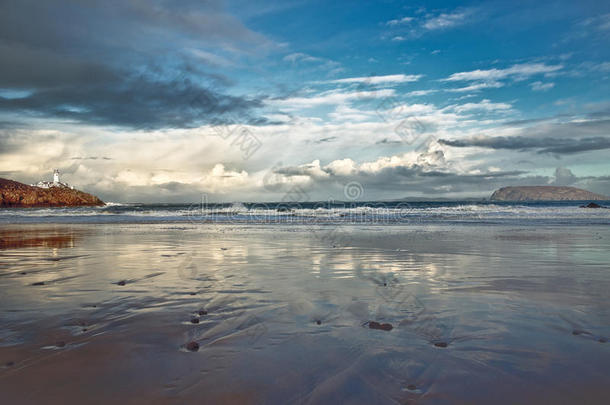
(324, 212)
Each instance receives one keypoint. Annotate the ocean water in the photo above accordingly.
(390, 212)
(489, 303)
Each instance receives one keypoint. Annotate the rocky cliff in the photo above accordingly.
(545, 193)
(15, 194)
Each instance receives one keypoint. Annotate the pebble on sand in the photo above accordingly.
(577, 332)
(602, 340)
(381, 326)
(319, 322)
(192, 346)
(411, 387)
(122, 282)
(194, 320)
(38, 283)
(440, 344)
(202, 312)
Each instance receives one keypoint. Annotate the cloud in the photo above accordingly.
(600, 67)
(300, 57)
(540, 145)
(447, 20)
(400, 78)
(303, 60)
(484, 105)
(328, 98)
(400, 21)
(516, 72)
(477, 87)
(408, 27)
(600, 22)
(493, 78)
(410, 174)
(539, 86)
(140, 103)
(564, 177)
(418, 93)
(212, 58)
(101, 63)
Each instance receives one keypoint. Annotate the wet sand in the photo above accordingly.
(283, 314)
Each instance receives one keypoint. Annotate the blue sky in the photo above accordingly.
(158, 100)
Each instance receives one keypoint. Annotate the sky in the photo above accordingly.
(174, 101)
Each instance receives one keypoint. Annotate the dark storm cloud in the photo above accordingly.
(141, 103)
(558, 146)
(116, 62)
(559, 138)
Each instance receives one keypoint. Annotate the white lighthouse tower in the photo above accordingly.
(56, 182)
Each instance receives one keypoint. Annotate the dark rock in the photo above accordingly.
(38, 283)
(61, 343)
(122, 282)
(84, 329)
(10, 363)
(193, 293)
(577, 332)
(194, 320)
(192, 346)
(202, 312)
(440, 344)
(319, 322)
(15, 194)
(591, 205)
(380, 326)
(411, 387)
(602, 340)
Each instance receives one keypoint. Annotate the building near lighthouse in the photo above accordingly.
(55, 183)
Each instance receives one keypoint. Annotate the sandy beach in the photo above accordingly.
(104, 312)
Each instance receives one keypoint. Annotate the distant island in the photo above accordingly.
(57, 194)
(545, 193)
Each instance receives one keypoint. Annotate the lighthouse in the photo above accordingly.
(56, 182)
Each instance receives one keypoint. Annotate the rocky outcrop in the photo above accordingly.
(545, 193)
(591, 205)
(15, 194)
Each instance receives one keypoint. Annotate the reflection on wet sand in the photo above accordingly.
(250, 314)
(48, 239)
